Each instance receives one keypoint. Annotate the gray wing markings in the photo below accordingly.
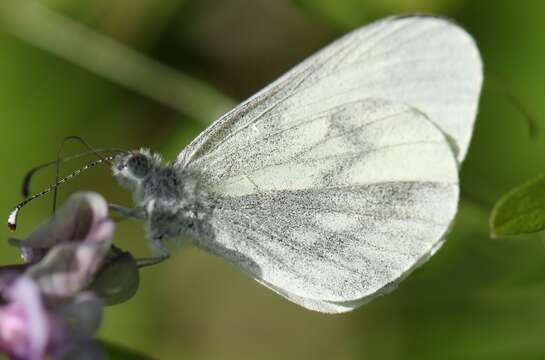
(240, 204)
(355, 156)
(264, 138)
(260, 115)
(304, 122)
(280, 238)
(248, 227)
(258, 220)
(359, 215)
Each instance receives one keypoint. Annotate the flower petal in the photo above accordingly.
(69, 268)
(24, 323)
(82, 316)
(72, 222)
(75, 324)
(9, 274)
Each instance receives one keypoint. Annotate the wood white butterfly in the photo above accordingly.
(336, 180)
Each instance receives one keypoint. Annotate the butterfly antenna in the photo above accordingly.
(25, 189)
(58, 161)
(12, 219)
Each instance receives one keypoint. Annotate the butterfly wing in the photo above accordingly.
(426, 62)
(335, 181)
(332, 209)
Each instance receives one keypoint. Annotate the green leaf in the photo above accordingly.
(118, 352)
(520, 211)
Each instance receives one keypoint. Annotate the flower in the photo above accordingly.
(69, 267)
(24, 323)
(80, 219)
(52, 303)
(30, 329)
(67, 253)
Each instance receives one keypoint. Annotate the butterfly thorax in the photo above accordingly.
(167, 195)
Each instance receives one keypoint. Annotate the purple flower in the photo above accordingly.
(83, 218)
(51, 305)
(30, 329)
(24, 322)
(65, 252)
(69, 267)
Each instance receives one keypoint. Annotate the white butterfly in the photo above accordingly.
(335, 181)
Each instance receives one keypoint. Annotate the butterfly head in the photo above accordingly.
(133, 168)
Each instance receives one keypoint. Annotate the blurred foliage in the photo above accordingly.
(476, 299)
(520, 211)
(348, 14)
(115, 352)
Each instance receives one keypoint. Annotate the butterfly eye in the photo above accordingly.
(139, 165)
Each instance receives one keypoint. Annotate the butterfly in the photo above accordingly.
(334, 182)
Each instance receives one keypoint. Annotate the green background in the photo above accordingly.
(478, 298)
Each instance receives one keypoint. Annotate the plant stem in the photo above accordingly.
(112, 60)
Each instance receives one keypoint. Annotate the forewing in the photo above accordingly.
(330, 209)
(426, 62)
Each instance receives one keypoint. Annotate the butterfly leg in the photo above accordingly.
(143, 262)
(162, 256)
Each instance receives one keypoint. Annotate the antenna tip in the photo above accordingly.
(12, 220)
